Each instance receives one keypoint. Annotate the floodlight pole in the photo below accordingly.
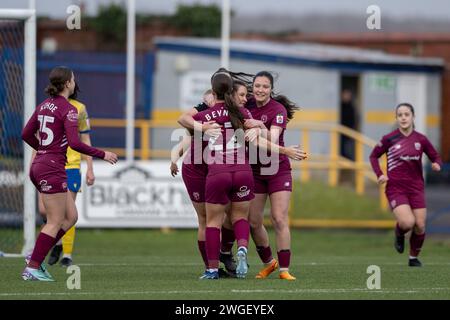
(130, 107)
(225, 40)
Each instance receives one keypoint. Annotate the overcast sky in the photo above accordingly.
(431, 9)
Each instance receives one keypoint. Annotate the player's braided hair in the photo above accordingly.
(290, 106)
(58, 78)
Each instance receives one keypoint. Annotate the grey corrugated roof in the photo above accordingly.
(317, 52)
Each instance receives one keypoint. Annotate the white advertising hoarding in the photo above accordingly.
(193, 85)
(141, 195)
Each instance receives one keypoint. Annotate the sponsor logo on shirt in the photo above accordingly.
(280, 118)
(409, 158)
(72, 116)
(264, 118)
(243, 192)
(417, 145)
(44, 185)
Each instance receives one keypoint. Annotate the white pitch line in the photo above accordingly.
(175, 292)
(292, 264)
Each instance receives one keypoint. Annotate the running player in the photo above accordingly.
(405, 188)
(65, 245)
(272, 178)
(55, 121)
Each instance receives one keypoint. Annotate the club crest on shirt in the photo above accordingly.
(417, 145)
(264, 118)
(280, 118)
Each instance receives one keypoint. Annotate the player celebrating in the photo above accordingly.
(65, 245)
(405, 185)
(55, 122)
(194, 172)
(229, 176)
(273, 178)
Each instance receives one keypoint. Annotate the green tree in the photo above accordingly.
(202, 21)
(111, 25)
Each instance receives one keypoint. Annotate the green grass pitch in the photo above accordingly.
(150, 264)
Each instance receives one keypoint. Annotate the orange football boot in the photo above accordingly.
(267, 270)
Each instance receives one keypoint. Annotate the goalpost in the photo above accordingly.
(17, 103)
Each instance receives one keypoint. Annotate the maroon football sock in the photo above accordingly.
(242, 232)
(202, 249)
(43, 245)
(415, 244)
(284, 258)
(265, 253)
(59, 235)
(227, 240)
(212, 247)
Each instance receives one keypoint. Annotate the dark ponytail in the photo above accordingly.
(58, 78)
(290, 106)
(236, 117)
(222, 85)
(242, 78)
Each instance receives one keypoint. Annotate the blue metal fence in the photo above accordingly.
(102, 79)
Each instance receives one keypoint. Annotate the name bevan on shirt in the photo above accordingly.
(216, 114)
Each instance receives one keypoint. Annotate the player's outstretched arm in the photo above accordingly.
(75, 143)
(177, 153)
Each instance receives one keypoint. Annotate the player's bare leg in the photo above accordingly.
(55, 208)
(405, 222)
(280, 220)
(260, 236)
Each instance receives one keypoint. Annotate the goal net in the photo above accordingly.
(17, 222)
